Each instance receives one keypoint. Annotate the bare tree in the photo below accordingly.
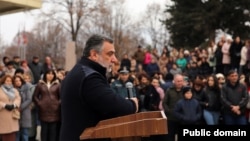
(47, 39)
(153, 26)
(110, 18)
(70, 14)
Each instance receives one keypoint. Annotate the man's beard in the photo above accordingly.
(108, 67)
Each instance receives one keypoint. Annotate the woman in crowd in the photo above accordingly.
(34, 123)
(141, 90)
(47, 99)
(9, 100)
(26, 96)
(211, 97)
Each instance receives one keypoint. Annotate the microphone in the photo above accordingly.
(129, 87)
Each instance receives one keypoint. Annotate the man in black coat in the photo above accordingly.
(86, 96)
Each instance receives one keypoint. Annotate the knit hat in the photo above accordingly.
(186, 89)
(219, 75)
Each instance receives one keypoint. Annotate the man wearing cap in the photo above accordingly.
(119, 85)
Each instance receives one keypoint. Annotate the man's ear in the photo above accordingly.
(93, 55)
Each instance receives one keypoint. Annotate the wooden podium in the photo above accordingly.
(129, 128)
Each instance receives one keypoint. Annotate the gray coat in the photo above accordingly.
(26, 99)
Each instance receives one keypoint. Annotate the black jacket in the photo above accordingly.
(234, 95)
(212, 97)
(86, 100)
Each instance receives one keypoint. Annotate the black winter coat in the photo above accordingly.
(88, 100)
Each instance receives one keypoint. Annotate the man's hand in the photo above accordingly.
(235, 109)
(136, 103)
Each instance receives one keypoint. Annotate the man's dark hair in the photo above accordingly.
(95, 42)
(231, 72)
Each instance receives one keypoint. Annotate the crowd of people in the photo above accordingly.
(208, 86)
(33, 89)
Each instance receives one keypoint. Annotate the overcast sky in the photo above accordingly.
(11, 23)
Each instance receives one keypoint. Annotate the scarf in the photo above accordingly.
(9, 91)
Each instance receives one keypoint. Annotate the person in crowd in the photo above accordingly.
(242, 78)
(87, 97)
(125, 62)
(5, 60)
(187, 55)
(247, 66)
(234, 99)
(152, 67)
(162, 62)
(16, 61)
(36, 69)
(10, 69)
(235, 52)
(141, 89)
(147, 58)
(119, 85)
(221, 79)
(226, 58)
(34, 118)
(211, 54)
(247, 83)
(155, 53)
(9, 100)
(133, 63)
(113, 74)
(219, 67)
(198, 92)
(193, 71)
(170, 63)
(24, 66)
(139, 55)
(172, 95)
(204, 67)
(47, 99)
(187, 110)
(174, 53)
(25, 110)
(165, 50)
(158, 98)
(19, 71)
(193, 58)
(2, 73)
(181, 61)
(175, 69)
(211, 97)
(167, 81)
(140, 69)
(60, 74)
(152, 96)
(48, 64)
(243, 58)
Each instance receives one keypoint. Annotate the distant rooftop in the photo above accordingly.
(14, 6)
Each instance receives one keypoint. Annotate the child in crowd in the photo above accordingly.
(188, 109)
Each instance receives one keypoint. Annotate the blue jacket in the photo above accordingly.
(188, 111)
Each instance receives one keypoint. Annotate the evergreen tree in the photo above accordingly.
(193, 22)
